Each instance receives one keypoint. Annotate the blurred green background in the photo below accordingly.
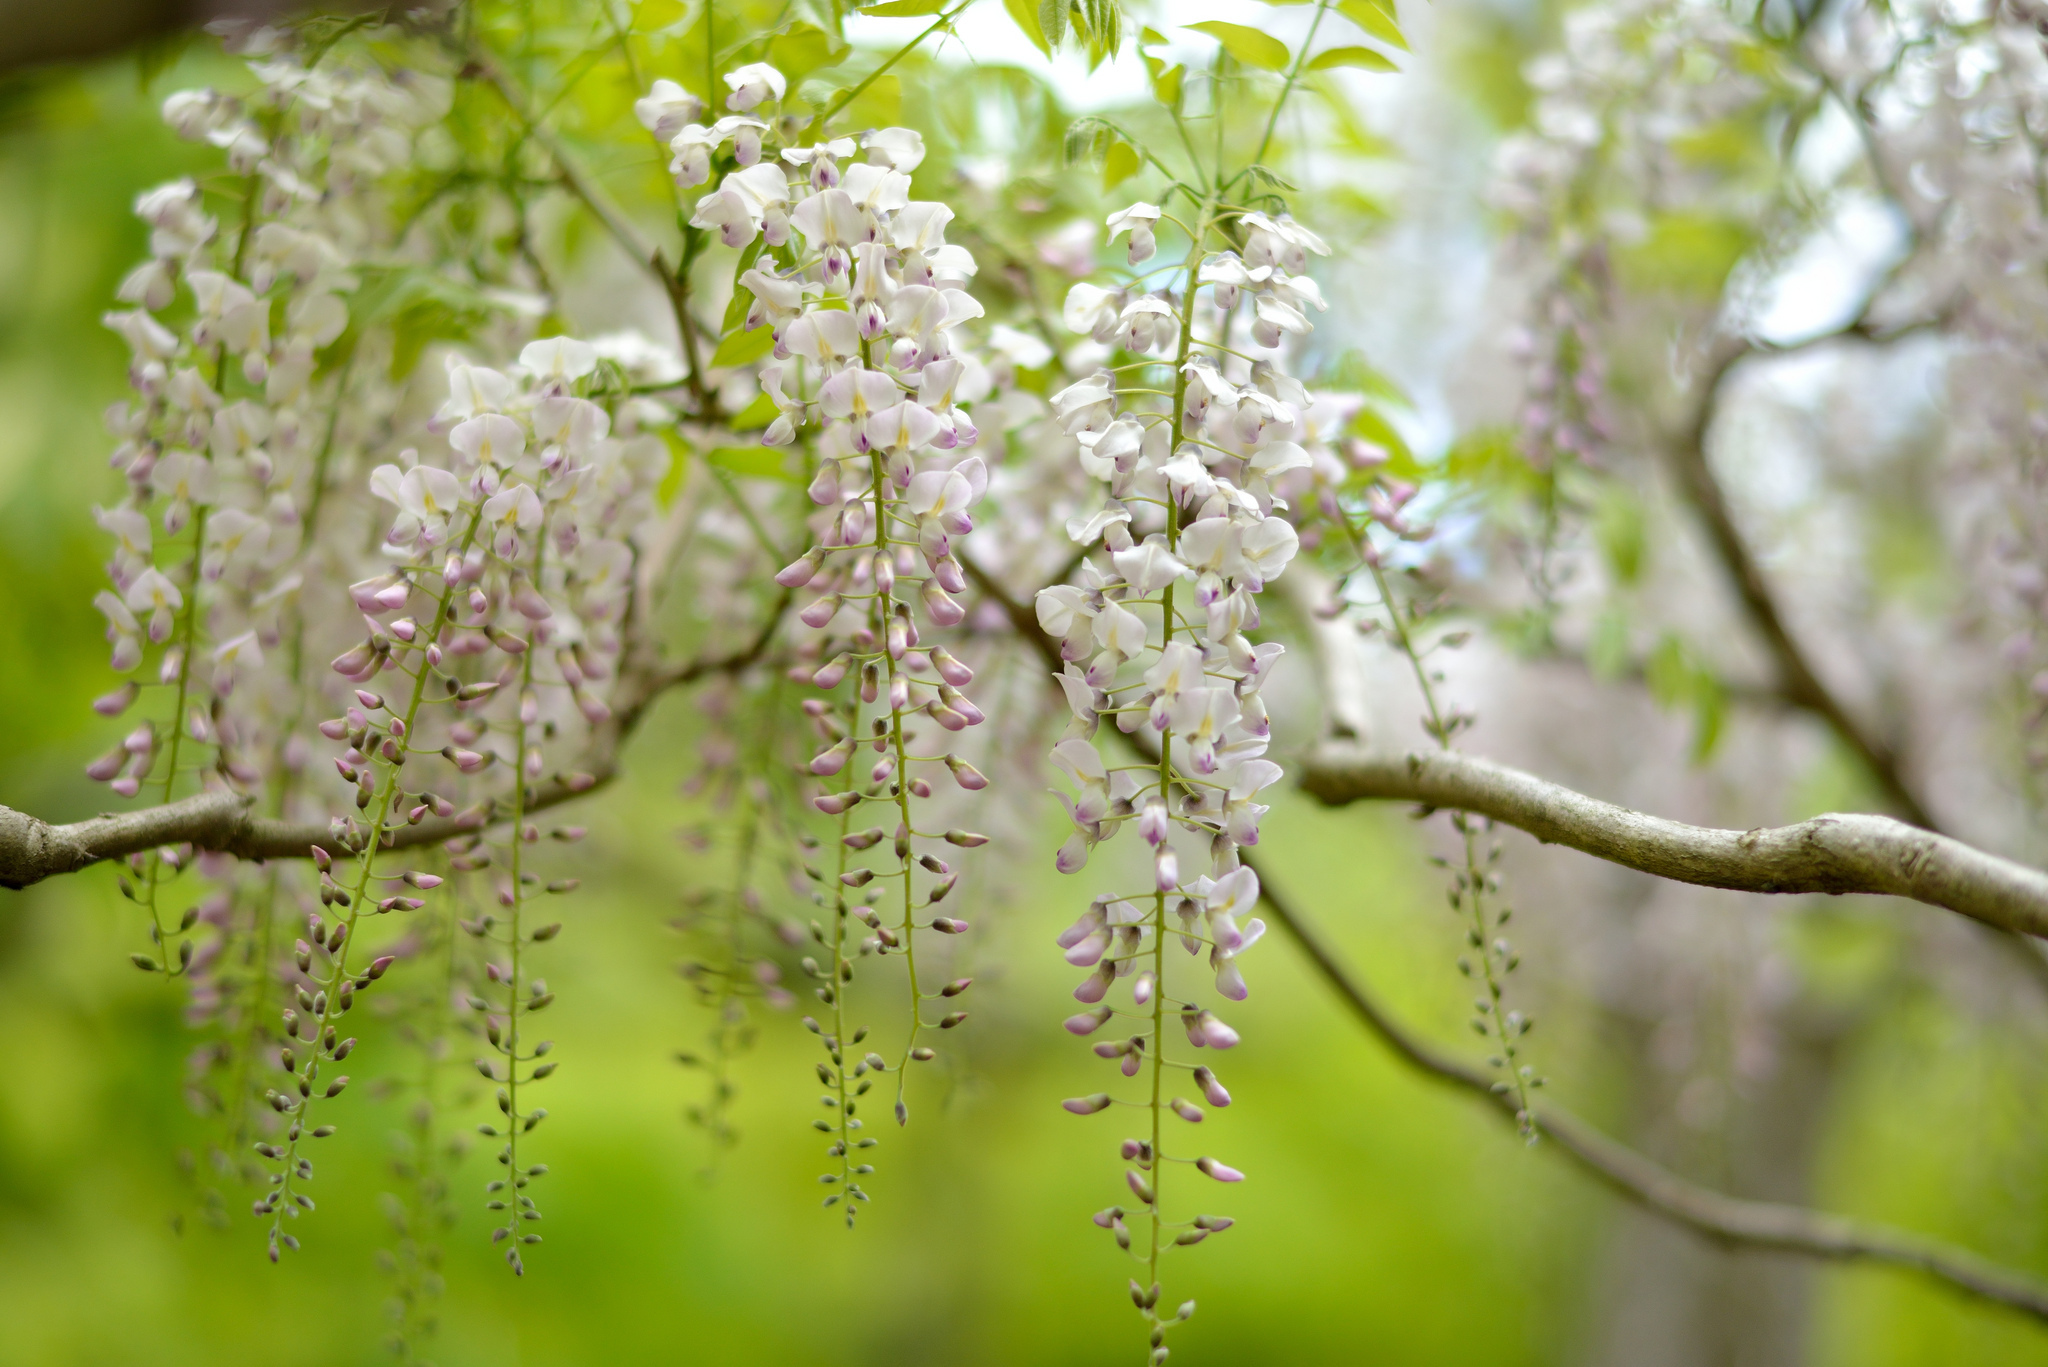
(1385, 1220)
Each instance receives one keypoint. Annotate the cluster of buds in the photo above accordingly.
(1155, 639)
(494, 637)
(223, 449)
(863, 296)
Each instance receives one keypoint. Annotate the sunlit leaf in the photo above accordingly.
(1025, 15)
(904, 9)
(1376, 20)
(1248, 45)
(1364, 58)
(757, 462)
(1119, 164)
(755, 415)
(742, 347)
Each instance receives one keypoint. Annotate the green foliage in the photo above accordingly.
(1249, 45)
(1686, 253)
(1362, 58)
(1377, 20)
(1680, 680)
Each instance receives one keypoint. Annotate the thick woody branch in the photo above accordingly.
(1836, 853)
(1725, 1219)
(32, 850)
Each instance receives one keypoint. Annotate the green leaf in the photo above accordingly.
(741, 347)
(1372, 427)
(1352, 373)
(1688, 254)
(755, 462)
(1166, 86)
(1025, 15)
(904, 9)
(1363, 58)
(742, 298)
(755, 415)
(1052, 21)
(1377, 20)
(1119, 164)
(1248, 45)
(1619, 527)
(805, 48)
(880, 104)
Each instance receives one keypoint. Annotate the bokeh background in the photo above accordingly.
(1385, 1220)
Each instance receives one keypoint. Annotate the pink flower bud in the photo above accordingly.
(821, 612)
(802, 570)
(1091, 921)
(353, 662)
(1186, 1110)
(1211, 1088)
(966, 775)
(115, 703)
(947, 925)
(1088, 1022)
(1222, 1172)
(829, 762)
(1141, 989)
(950, 669)
(1087, 1105)
(832, 804)
(1088, 951)
(830, 673)
(939, 606)
(1166, 869)
(1140, 1188)
(1096, 985)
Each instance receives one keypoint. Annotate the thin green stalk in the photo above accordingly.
(515, 1178)
(367, 860)
(1473, 875)
(847, 97)
(1287, 88)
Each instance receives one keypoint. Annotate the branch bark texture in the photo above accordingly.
(1835, 853)
(32, 850)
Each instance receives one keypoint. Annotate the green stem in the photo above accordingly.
(1293, 75)
(847, 97)
(383, 803)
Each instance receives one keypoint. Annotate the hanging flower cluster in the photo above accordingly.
(493, 640)
(863, 297)
(1155, 639)
(227, 447)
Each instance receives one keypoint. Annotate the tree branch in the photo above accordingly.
(1754, 1224)
(32, 850)
(1801, 686)
(1725, 1219)
(1836, 853)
